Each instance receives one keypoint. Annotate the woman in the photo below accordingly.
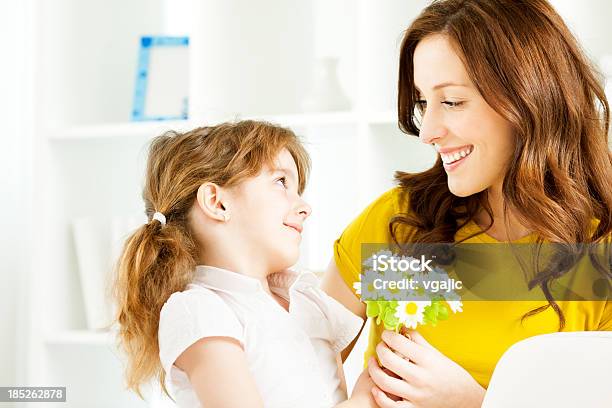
(506, 83)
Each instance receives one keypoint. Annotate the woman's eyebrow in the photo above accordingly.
(445, 84)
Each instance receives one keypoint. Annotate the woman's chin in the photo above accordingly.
(461, 189)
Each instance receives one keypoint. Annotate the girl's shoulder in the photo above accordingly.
(192, 294)
(195, 306)
(320, 315)
(190, 315)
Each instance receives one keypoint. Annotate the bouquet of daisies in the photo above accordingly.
(409, 308)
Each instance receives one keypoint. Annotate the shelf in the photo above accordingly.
(312, 119)
(81, 338)
(152, 129)
(113, 130)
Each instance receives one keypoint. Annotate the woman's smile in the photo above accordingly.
(454, 158)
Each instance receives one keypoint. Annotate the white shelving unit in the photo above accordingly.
(90, 158)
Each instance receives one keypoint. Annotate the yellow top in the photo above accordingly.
(477, 337)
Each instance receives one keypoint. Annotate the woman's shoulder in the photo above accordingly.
(593, 225)
(370, 226)
(391, 200)
(378, 212)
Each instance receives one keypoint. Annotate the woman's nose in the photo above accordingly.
(432, 128)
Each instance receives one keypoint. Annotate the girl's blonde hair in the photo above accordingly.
(159, 260)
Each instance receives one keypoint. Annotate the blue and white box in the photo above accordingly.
(162, 79)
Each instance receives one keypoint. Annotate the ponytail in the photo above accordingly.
(157, 260)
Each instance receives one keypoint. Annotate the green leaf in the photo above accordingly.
(443, 312)
(372, 308)
(390, 320)
(430, 314)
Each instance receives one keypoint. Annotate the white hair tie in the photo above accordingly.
(160, 217)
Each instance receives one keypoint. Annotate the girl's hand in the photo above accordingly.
(428, 379)
(362, 393)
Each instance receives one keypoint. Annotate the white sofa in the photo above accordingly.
(567, 369)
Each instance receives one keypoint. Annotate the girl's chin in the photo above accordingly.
(289, 257)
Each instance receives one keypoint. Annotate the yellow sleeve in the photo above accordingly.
(371, 226)
(605, 324)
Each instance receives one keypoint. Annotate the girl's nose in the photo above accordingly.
(303, 208)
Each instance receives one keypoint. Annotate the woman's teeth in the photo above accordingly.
(448, 158)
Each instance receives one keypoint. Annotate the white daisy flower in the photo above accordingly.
(368, 292)
(369, 262)
(412, 261)
(392, 294)
(435, 274)
(357, 287)
(410, 314)
(435, 279)
(455, 305)
(454, 302)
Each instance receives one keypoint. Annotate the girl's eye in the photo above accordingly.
(283, 181)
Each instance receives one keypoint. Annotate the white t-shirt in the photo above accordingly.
(291, 355)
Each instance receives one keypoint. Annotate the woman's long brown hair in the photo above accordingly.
(530, 69)
(159, 260)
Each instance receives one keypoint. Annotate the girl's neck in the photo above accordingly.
(249, 269)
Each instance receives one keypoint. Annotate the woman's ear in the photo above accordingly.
(211, 200)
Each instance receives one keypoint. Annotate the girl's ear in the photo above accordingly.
(210, 200)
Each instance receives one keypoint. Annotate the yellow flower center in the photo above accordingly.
(411, 308)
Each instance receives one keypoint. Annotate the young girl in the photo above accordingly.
(205, 300)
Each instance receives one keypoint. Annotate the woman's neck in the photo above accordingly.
(514, 229)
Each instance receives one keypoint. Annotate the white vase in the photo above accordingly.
(326, 93)
(91, 239)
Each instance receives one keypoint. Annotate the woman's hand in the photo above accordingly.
(427, 378)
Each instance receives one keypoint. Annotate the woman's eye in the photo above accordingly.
(452, 104)
(421, 104)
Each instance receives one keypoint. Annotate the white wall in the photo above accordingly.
(15, 151)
